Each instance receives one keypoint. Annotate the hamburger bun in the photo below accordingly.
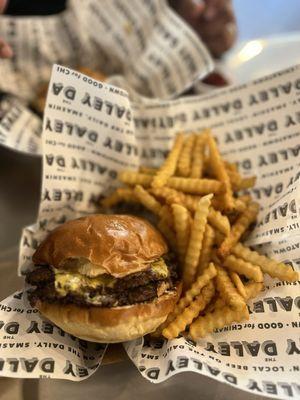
(114, 244)
(111, 325)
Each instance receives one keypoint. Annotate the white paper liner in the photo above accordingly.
(145, 41)
(20, 128)
(91, 130)
(32, 347)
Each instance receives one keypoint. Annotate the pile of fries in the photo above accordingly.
(195, 196)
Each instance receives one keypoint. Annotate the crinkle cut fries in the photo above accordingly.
(195, 195)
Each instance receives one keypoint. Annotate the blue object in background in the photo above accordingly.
(262, 18)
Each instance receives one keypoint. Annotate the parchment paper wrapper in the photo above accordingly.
(20, 128)
(154, 51)
(89, 136)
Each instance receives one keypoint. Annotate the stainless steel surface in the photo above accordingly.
(121, 382)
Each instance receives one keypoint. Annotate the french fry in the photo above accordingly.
(274, 269)
(234, 176)
(182, 228)
(147, 200)
(240, 226)
(217, 203)
(133, 178)
(190, 202)
(187, 200)
(189, 313)
(196, 169)
(245, 198)
(169, 195)
(219, 221)
(195, 242)
(208, 274)
(220, 172)
(184, 161)
(195, 186)
(238, 284)
(206, 170)
(245, 183)
(167, 232)
(243, 267)
(252, 289)
(203, 221)
(217, 319)
(239, 205)
(119, 195)
(219, 302)
(186, 185)
(219, 237)
(166, 214)
(169, 166)
(231, 166)
(207, 244)
(189, 296)
(215, 258)
(147, 170)
(193, 292)
(227, 290)
(236, 180)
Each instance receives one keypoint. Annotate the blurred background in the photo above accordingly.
(18, 202)
(261, 18)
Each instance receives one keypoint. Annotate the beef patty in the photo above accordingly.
(134, 288)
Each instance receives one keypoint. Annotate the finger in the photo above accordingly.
(216, 3)
(188, 9)
(196, 8)
(213, 28)
(5, 50)
(3, 4)
(226, 36)
(220, 44)
(216, 7)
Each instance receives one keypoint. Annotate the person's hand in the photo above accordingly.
(213, 20)
(5, 49)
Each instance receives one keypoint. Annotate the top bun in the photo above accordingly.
(115, 244)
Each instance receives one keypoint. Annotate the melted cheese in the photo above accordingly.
(160, 268)
(71, 282)
(65, 282)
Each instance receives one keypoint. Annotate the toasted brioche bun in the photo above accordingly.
(111, 325)
(115, 244)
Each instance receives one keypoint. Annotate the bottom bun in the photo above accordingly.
(111, 325)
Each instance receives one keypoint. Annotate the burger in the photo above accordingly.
(104, 278)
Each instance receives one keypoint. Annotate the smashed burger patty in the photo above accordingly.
(104, 278)
(105, 291)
